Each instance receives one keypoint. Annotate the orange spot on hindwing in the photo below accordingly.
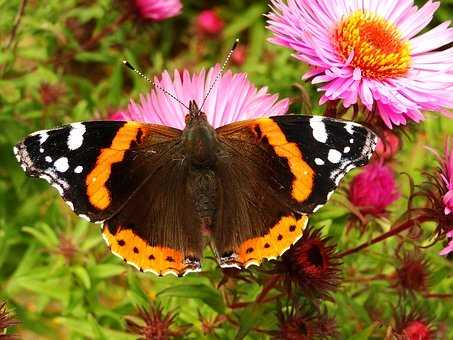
(98, 193)
(137, 252)
(303, 174)
(279, 238)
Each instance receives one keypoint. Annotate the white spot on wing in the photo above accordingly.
(85, 217)
(319, 161)
(70, 205)
(59, 188)
(346, 149)
(48, 159)
(43, 137)
(317, 207)
(78, 169)
(16, 153)
(339, 177)
(75, 139)
(41, 150)
(46, 177)
(334, 156)
(319, 129)
(351, 141)
(61, 164)
(349, 128)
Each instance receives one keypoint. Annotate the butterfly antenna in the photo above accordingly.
(128, 65)
(225, 63)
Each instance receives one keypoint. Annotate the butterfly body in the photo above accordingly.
(249, 185)
(199, 138)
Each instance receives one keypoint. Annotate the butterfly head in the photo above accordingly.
(199, 137)
(195, 115)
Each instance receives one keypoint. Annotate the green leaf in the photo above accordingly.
(82, 275)
(250, 317)
(245, 20)
(365, 333)
(196, 291)
(103, 271)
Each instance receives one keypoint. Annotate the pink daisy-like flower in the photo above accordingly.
(374, 189)
(232, 98)
(158, 10)
(449, 248)
(208, 22)
(447, 177)
(369, 51)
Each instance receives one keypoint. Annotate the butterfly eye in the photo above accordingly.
(187, 119)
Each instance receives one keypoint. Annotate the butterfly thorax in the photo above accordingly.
(199, 139)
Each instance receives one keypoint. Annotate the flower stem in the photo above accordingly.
(392, 232)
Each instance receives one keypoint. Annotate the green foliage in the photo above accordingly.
(57, 274)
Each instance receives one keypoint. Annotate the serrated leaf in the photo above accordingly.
(102, 271)
(82, 275)
(250, 317)
(196, 291)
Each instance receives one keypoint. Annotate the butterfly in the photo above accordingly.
(249, 185)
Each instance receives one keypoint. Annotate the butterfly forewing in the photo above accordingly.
(86, 162)
(280, 169)
(125, 173)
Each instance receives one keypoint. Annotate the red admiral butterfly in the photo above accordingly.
(250, 185)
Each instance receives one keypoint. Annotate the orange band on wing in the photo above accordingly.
(302, 172)
(98, 194)
(279, 238)
(135, 251)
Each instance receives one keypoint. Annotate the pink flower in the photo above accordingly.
(239, 55)
(369, 51)
(417, 330)
(374, 189)
(158, 10)
(233, 98)
(447, 177)
(209, 23)
(388, 145)
(449, 248)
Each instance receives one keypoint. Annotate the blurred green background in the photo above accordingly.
(62, 65)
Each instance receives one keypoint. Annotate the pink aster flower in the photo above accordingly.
(447, 177)
(449, 248)
(388, 145)
(372, 52)
(209, 23)
(233, 98)
(374, 189)
(158, 10)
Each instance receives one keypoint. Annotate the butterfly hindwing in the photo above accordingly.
(276, 171)
(158, 229)
(95, 166)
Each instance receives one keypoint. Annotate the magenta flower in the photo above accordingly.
(209, 23)
(158, 10)
(449, 248)
(388, 145)
(369, 51)
(374, 189)
(447, 177)
(233, 98)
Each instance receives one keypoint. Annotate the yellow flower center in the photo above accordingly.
(379, 51)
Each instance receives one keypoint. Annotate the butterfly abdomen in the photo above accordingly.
(203, 187)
